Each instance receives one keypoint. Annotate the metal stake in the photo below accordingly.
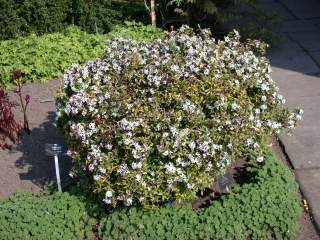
(54, 150)
(56, 162)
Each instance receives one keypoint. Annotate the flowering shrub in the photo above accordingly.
(157, 121)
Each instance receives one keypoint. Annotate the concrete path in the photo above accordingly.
(296, 69)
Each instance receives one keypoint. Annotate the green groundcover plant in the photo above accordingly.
(48, 56)
(150, 122)
(265, 207)
(41, 216)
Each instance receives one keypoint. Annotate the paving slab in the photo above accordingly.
(303, 9)
(309, 180)
(292, 26)
(277, 8)
(316, 56)
(302, 150)
(301, 91)
(27, 167)
(295, 64)
(303, 146)
(308, 40)
(294, 85)
(289, 55)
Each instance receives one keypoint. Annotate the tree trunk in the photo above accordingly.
(153, 12)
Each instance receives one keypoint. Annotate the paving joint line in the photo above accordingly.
(300, 189)
(306, 52)
(289, 10)
(307, 169)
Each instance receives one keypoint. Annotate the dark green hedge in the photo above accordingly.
(267, 207)
(20, 17)
(37, 217)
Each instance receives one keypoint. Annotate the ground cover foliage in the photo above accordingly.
(45, 57)
(265, 206)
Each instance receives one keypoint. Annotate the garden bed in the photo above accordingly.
(265, 206)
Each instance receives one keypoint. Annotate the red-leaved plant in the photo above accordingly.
(10, 129)
(24, 101)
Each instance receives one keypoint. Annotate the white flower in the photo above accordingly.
(109, 146)
(129, 202)
(189, 185)
(108, 194)
(249, 142)
(165, 135)
(260, 159)
(192, 145)
(96, 177)
(107, 200)
(170, 167)
(263, 107)
(136, 165)
(122, 170)
(235, 106)
(264, 87)
(138, 177)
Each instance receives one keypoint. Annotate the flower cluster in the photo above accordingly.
(158, 121)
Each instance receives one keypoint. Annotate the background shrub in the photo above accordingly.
(265, 207)
(150, 122)
(131, 10)
(42, 16)
(92, 16)
(21, 17)
(40, 216)
(10, 22)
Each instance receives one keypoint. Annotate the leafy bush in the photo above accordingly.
(136, 31)
(266, 207)
(10, 23)
(131, 10)
(21, 17)
(157, 121)
(42, 16)
(246, 16)
(48, 56)
(40, 216)
(92, 16)
(26, 16)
